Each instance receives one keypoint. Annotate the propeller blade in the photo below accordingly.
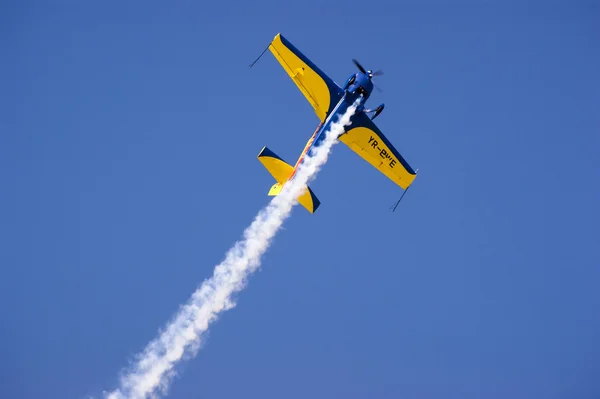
(378, 73)
(377, 87)
(360, 67)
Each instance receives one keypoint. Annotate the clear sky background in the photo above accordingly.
(128, 142)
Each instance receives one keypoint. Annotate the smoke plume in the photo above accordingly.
(154, 367)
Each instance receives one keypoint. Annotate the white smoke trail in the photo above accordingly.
(154, 367)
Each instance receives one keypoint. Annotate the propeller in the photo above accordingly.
(368, 72)
(360, 67)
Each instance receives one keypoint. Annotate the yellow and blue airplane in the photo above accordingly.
(330, 101)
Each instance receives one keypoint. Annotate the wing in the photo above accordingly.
(320, 91)
(365, 138)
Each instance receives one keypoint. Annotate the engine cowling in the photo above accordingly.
(349, 82)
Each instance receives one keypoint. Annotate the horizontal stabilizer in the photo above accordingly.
(275, 189)
(309, 200)
(281, 171)
(276, 166)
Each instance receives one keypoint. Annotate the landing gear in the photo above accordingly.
(377, 111)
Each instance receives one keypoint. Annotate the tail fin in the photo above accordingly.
(281, 171)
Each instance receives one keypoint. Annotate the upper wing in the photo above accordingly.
(365, 138)
(322, 92)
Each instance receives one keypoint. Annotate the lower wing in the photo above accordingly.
(364, 138)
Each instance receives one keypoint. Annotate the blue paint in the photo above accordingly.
(128, 169)
(361, 89)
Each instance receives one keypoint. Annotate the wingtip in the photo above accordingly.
(261, 151)
(316, 205)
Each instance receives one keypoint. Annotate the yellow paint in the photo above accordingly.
(306, 200)
(275, 189)
(282, 171)
(358, 141)
(308, 81)
(279, 169)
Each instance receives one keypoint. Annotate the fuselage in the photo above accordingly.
(357, 86)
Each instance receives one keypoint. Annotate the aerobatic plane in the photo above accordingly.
(330, 101)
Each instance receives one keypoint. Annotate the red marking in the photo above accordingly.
(306, 147)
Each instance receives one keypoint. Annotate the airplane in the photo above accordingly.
(329, 102)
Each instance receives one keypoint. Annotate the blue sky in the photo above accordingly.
(128, 144)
